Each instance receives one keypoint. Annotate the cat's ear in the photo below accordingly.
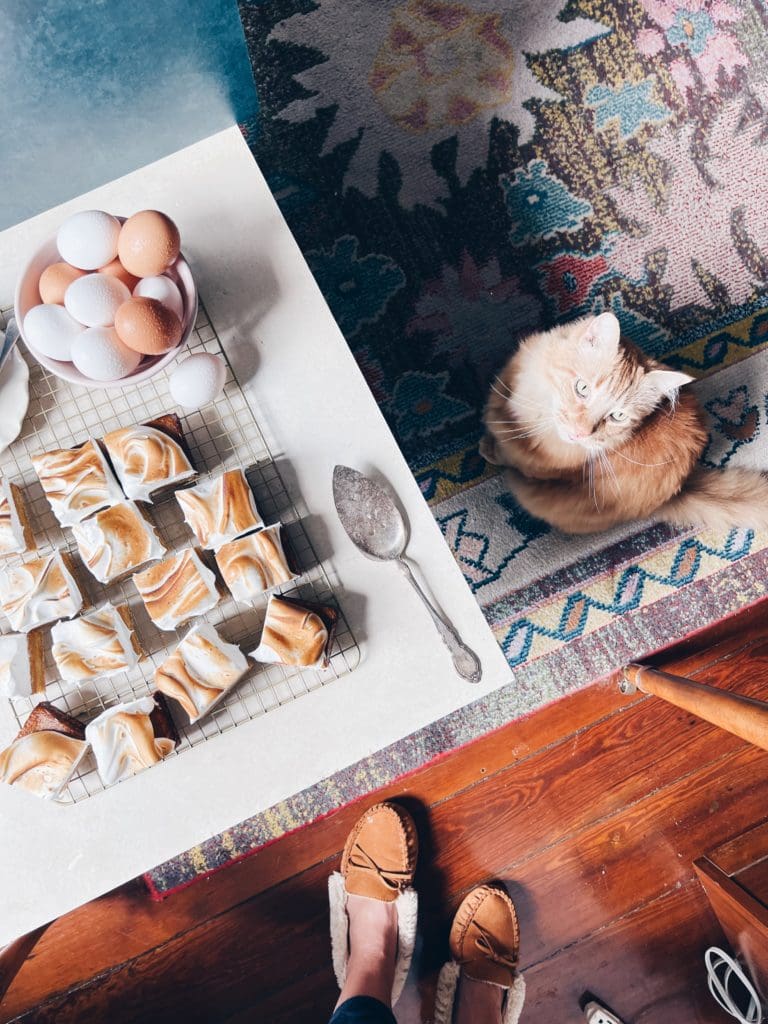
(603, 332)
(666, 382)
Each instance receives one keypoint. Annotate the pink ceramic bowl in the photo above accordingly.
(28, 295)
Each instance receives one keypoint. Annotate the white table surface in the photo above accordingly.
(316, 411)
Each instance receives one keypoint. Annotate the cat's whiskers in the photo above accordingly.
(647, 465)
(606, 464)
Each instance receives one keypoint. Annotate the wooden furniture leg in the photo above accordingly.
(743, 716)
(13, 956)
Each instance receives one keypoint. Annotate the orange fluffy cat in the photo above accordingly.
(593, 433)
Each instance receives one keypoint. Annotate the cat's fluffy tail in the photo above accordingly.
(719, 500)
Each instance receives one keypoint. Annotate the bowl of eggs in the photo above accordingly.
(109, 301)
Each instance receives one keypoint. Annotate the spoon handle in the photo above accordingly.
(465, 661)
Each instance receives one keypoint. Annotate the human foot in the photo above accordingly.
(478, 1002)
(481, 984)
(373, 906)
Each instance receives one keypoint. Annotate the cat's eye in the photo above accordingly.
(618, 416)
(581, 387)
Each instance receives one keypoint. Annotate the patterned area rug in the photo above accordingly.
(459, 174)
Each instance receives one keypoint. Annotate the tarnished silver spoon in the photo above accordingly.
(374, 524)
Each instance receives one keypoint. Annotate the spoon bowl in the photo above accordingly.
(375, 525)
(369, 515)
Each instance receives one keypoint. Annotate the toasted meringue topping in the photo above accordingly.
(39, 591)
(146, 460)
(292, 635)
(40, 762)
(221, 509)
(16, 678)
(253, 564)
(177, 589)
(116, 540)
(99, 643)
(76, 481)
(12, 539)
(201, 670)
(124, 742)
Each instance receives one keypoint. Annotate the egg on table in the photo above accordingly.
(147, 326)
(149, 243)
(55, 280)
(95, 299)
(116, 269)
(99, 354)
(164, 290)
(51, 330)
(88, 239)
(198, 380)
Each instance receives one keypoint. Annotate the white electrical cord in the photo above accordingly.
(721, 968)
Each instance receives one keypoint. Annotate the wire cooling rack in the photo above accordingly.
(223, 435)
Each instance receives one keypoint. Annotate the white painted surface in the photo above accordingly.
(316, 410)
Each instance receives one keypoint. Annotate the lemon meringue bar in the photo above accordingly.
(39, 591)
(15, 532)
(76, 481)
(45, 753)
(116, 541)
(100, 643)
(149, 458)
(21, 664)
(254, 563)
(177, 589)
(130, 737)
(296, 633)
(201, 670)
(220, 509)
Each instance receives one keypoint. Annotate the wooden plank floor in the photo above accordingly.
(591, 811)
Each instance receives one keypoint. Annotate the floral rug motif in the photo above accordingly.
(459, 173)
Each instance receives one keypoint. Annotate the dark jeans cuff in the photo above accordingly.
(363, 1010)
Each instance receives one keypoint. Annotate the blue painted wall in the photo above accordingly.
(92, 89)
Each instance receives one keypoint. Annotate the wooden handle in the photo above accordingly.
(743, 716)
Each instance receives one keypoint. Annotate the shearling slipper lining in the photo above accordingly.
(445, 996)
(406, 904)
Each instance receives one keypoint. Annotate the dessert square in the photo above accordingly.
(150, 458)
(100, 643)
(22, 671)
(177, 589)
(220, 509)
(116, 541)
(45, 752)
(201, 670)
(254, 563)
(16, 536)
(296, 633)
(130, 737)
(76, 481)
(40, 591)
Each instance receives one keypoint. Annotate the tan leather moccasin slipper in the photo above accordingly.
(379, 858)
(485, 946)
(379, 861)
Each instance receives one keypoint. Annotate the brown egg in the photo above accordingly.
(55, 280)
(116, 269)
(148, 243)
(147, 326)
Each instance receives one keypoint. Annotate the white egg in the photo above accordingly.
(164, 290)
(99, 354)
(88, 239)
(51, 330)
(198, 380)
(95, 298)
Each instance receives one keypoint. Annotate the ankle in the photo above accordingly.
(478, 1002)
